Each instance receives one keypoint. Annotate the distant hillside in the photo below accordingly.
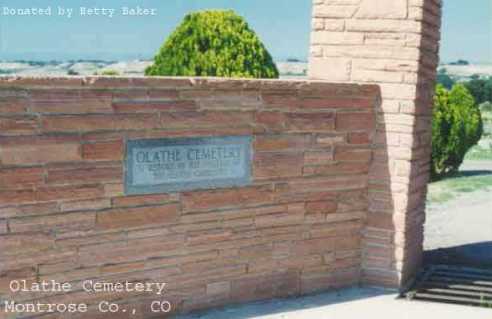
(465, 72)
(288, 69)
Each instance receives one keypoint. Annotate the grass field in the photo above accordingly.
(483, 151)
(459, 184)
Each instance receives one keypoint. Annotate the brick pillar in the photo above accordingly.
(393, 43)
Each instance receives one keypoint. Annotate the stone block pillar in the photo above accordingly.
(393, 43)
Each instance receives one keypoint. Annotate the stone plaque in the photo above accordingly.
(170, 165)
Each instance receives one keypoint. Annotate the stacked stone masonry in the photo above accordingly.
(393, 43)
(296, 230)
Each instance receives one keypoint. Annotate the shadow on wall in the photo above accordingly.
(398, 187)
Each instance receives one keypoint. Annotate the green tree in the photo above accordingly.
(476, 87)
(456, 127)
(444, 79)
(214, 43)
(480, 88)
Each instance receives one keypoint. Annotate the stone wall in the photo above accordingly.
(297, 229)
(393, 43)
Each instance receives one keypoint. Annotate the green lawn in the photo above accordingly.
(483, 151)
(453, 186)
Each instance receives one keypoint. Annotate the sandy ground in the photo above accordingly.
(355, 303)
(461, 230)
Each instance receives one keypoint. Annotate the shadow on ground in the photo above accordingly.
(477, 255)
(472, 173)
(283, 306)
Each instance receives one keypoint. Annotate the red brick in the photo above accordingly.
(291, 216)
(163, 94)
(279, 99)
(264, 286)
(85, 175)
(272, 121)
(19, 125)
(209, 236)
(346, 277)
(207, 119)
(375, 262)
(132, 201)
(229, 99)
(91, 204)
(321, 206)
(6, 277)
(276, 164)
(92, 122)
(289, 193)
(137, 217)
(154, 106)
(340, 168)
(18, 244)
(39, 153)
(123, 268)
(177, 132)
(281, 142)
(219, 288)
(338, 103)
(345, 229)
(316, 282)
(348, 242)
(29, 210)
(71, 101)
(159, 83)
(84, 239)
(103, 136)
(240, 197)
(110, 150)
(359, 138)
(21, 177)
(17, 197)
(318, 157)
(22, 82)
(329, 183)
(310, 122)
(3, 227)
(236, 243)
(330, 139)
(352, 154)
(313, 247)
(256, 251)
(195, 94)
(13, 104)
(37, 140)
(345, 217)
(113, 190)
(68, 192)
(39, 257)
(380, 220)
(129, 94)
(323, 89)
(355, 121)
(298, 122)
(57, 223)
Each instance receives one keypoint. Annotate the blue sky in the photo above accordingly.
(283, 25)
(467, 30)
